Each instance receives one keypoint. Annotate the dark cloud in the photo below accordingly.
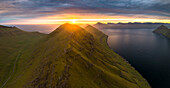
(21, 9)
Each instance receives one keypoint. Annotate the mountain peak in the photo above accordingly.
(67, 27)
(94, 30)
(10, 31)
(68, 24)
(163, 30)
(70, 27)
(162, 27)
(90, 26)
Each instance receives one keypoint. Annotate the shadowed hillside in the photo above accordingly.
(163, 30)
(73, 57)
(10, 31)
(12, 42)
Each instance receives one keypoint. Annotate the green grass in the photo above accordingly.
(11, 42)
(73, 57)
(163, 30)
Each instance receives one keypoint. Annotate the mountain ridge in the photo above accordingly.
(14, 31)
(72, 56)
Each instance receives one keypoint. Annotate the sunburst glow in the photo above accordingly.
(73, 21)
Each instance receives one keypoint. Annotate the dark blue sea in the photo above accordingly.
(148, 52)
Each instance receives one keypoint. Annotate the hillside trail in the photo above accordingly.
(13, 70)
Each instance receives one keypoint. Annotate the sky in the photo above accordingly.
(83, 11)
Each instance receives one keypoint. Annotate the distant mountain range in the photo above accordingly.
(135, 25)
(68, 57)
(163, 30)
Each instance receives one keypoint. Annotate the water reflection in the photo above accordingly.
(149, 53)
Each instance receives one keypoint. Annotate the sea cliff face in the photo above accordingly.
(163, 30)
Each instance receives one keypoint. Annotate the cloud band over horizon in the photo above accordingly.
(57, 11)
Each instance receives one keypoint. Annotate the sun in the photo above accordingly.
(74, 21)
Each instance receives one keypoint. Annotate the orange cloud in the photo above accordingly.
(89, 19)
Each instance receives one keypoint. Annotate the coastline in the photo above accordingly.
(106, 38)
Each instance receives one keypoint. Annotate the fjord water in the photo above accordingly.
(149, 53)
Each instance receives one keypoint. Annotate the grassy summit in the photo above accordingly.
(74, 57)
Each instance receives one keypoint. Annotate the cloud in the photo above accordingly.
(25, 9)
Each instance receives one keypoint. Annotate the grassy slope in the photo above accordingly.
(71, 57)
(101, 37)
(130, 72)
(12, 40)
(163, 30)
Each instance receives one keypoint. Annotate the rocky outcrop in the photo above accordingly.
(163, 30)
